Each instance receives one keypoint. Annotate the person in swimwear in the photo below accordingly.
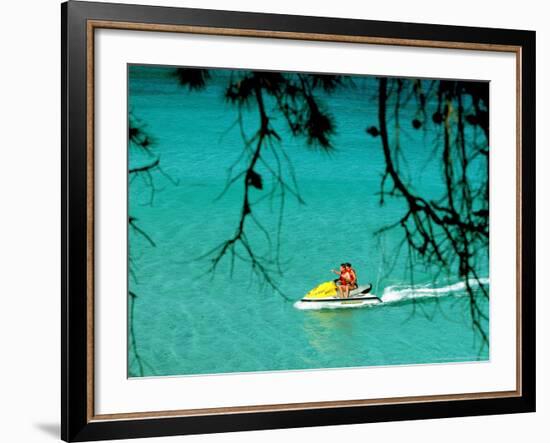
(352, 276)
(342, 285)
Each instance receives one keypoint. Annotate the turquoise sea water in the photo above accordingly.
(186, 320)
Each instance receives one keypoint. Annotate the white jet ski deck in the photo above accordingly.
(325, 296)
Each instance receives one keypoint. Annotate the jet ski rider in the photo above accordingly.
(352, 276)
(343, 283)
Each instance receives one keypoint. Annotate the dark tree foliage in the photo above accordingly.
(193, 79)
(451, 232)
(270, 94)
(139, 141)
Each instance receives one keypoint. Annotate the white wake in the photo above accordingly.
(397, 293)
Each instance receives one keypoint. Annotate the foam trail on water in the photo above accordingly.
(397, 293)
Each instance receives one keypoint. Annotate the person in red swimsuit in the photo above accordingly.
(343, 282)
(352, 276)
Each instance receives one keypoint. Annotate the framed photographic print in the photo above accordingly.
(279, 221)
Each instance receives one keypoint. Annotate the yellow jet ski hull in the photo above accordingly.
(324, 290)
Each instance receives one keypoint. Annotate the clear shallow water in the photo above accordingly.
(188, 321)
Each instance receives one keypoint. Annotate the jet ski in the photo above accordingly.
(325, 296)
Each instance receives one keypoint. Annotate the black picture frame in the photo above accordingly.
(76, 422)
